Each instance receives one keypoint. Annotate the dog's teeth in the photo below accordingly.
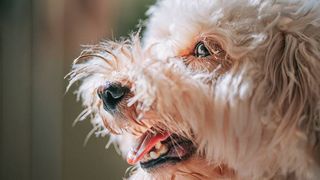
(160, 150)
(163, 149)
(147, 157)
(158, 145)
(153, 155)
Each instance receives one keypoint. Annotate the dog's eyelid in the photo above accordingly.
(216, 48)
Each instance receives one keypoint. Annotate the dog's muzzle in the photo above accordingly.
(111, 95)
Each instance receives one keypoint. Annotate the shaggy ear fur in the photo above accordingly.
(292, 83)
(292, 78)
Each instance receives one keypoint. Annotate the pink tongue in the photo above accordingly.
(145, 143)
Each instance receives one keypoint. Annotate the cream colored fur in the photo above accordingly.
(258, 119)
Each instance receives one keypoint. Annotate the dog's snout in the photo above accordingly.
(111, 94)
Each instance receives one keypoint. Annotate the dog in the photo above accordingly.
(214, 89)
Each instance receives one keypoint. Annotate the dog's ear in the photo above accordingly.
(292, 75)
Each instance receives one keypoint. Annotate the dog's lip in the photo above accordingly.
(176, 149)
(145, 143)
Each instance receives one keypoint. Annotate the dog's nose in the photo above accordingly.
(111, 94)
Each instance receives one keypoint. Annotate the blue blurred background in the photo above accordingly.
(39, 40)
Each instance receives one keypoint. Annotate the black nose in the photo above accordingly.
(111, 94)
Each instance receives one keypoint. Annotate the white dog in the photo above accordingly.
(217, 89)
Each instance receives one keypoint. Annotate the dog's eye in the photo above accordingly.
(201, 50)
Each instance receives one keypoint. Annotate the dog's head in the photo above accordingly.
(215, 89)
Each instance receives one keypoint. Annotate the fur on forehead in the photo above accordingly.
(175, 24)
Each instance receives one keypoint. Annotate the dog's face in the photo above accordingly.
(215, 89)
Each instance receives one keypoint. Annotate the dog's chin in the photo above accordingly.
(193, 167)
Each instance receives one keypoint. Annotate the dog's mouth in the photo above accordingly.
(154, 150)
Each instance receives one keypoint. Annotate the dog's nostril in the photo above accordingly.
(111, 94)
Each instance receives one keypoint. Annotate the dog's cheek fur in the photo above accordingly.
(292, 83)
(285, 102)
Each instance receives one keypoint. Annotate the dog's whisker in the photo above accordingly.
(176, 146)
(130, 170)
(82, 116)
(89, 56)
(106, 125)
(89, 135)
(193, 174)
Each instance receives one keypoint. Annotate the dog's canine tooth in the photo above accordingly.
(147, 157)
(153, 155)
(163, 149)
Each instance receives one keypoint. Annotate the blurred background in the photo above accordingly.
(39, 40)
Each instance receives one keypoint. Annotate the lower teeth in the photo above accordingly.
(155, 154)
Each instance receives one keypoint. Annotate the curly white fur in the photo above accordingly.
(260, 117)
